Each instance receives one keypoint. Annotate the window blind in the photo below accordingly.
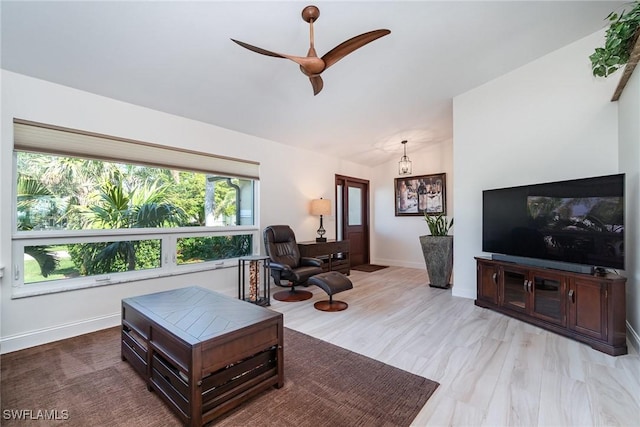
(44, 138)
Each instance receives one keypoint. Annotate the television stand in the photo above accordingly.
(586, 307)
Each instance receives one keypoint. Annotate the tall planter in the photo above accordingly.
(438, 257)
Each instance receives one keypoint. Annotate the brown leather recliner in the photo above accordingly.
(287, 264)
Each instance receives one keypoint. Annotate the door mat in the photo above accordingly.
(369, 268)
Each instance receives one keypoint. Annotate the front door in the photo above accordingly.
(352, 217)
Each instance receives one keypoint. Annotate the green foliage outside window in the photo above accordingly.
(188, 191)
(198, 249)
(64, 193)
(114, 257)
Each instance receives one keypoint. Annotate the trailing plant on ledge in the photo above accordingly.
(620, 38)
(438, 225)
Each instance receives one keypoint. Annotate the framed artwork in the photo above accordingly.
(417, 195)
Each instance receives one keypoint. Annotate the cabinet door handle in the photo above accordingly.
(526, 282)
(572, 296)
(530, 286)
(495, 278)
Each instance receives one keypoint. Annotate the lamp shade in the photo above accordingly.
(320, 207)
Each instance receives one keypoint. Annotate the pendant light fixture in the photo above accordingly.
(404, 165)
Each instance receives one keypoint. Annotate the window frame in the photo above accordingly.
(169, 265)
(168, 237)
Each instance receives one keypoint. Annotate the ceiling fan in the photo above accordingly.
(311, 65)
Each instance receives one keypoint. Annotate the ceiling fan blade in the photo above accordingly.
(258, 49)
(316, 83)
(345, 48)
(310, 63)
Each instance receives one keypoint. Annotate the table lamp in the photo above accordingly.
(321, 207)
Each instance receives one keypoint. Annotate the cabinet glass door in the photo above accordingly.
(515, 292)
(547, 294)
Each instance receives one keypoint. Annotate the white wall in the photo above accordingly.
(629, 133)
(290, 178)
(546, 121)
(395, 239)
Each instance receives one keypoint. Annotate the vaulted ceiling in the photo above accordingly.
(177, 57)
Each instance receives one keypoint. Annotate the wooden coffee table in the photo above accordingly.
(204, 353)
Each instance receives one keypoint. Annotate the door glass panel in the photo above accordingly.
(547, 297)
(514, 290)
(339, 219)
(355, 206)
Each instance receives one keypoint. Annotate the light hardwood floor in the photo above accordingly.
(492, 370)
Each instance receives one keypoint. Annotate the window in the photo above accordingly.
(82, 221)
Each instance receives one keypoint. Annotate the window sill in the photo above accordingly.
(38, 289)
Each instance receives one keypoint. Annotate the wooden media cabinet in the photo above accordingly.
(586, 307)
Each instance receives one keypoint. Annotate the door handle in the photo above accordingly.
(530, 286)
(495, 278)
(572, 296)
(526, 282)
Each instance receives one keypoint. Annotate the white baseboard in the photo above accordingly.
(464, 293)
(633, 337)
(56, 333)
(399, 263)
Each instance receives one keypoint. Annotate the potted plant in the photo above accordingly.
(620, 38)
(437, 249)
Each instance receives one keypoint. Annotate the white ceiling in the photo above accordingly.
(176, 57)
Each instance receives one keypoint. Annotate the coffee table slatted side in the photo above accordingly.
(203, 353)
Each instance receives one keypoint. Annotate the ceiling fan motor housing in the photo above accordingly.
(309, 13)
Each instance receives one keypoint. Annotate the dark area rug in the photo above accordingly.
(368, 268)
(81, 381)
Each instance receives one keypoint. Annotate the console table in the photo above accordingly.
(334, 254)
(203, 353)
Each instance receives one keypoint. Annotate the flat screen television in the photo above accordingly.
(567, 223)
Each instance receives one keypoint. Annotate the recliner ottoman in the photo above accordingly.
(332, 283)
